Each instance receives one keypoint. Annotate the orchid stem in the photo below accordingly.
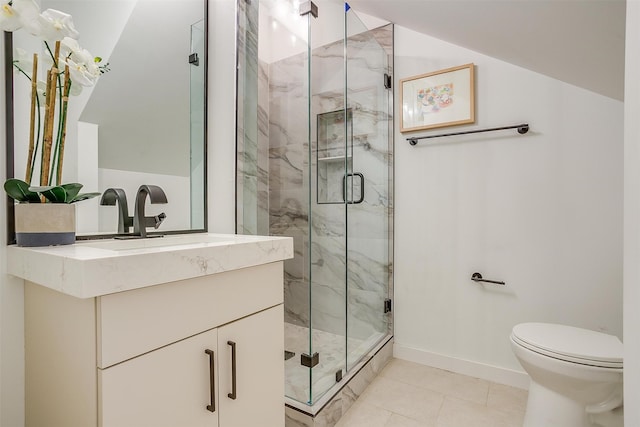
(32, 117)
(63, 125)
(50, 114)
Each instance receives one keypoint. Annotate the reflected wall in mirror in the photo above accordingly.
(144, 122)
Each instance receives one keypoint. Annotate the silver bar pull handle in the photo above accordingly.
(477, 277)
(232, 395)
(212, 381)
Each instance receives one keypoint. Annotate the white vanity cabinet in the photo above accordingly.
(172, 386)
(144, 357)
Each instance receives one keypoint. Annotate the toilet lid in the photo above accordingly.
(571, 344)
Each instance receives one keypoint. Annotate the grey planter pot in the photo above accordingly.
(45, 224)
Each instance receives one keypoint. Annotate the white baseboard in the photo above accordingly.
(461, 366)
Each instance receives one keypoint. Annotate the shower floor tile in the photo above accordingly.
(331, 347)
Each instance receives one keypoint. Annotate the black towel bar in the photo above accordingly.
(522, 129)
(477, 277)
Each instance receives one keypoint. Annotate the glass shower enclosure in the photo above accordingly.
(315, 163)
(197, 127)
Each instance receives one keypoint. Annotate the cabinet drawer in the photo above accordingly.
(138, 321)
(169, 387)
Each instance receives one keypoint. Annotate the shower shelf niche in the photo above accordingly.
(333, 154)
(334, 158)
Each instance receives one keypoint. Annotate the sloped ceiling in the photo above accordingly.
(580, 42)
(142, 104)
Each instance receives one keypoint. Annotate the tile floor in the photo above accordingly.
(407, 394)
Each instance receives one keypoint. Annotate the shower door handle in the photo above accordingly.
(344, 187)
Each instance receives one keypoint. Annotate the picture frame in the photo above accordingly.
(438, 99)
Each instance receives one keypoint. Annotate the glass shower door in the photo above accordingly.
(313, 164)
(196, 131)
(329, 158)
(368, 96)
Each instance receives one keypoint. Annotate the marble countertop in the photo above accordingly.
(93, 268)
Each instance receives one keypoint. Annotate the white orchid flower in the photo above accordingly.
(84, 74)
(9, 17)
(56, 25)
(41, 90)
(20, 54)
(22, 61)
(29, 13)
(69, 46)
(75, 90)
(82, 65)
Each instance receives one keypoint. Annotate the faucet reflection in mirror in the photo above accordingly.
(70, 67)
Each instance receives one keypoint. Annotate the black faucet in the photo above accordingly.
(109, 198)
(141, 222)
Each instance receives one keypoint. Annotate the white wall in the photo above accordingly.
(87, 213)
(632, 217)
(221, 127)
(542, 212)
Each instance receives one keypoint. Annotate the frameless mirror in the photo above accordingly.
(143, 122)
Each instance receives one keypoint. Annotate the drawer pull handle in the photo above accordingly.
(212, 381)
(232, 395)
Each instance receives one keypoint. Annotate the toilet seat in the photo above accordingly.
(570, 344)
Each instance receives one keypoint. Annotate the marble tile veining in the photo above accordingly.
(319, 257)
(93, 268)
(281, 188)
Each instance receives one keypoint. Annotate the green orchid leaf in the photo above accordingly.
(55, 194)
(19, 190)
(59, 194)
(36, 189)
(84, 196)
(65, 193)
(72, 190)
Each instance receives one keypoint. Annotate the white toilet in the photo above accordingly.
(576, 375)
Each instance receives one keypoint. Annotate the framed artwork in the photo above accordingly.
(438, 99)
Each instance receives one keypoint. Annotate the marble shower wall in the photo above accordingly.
(367, 223)
(274, 176)
(252, 185)
(289, 177)
(370, 239)
(367, 226)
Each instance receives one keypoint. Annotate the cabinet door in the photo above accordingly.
(166, 387)
(259, 356)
